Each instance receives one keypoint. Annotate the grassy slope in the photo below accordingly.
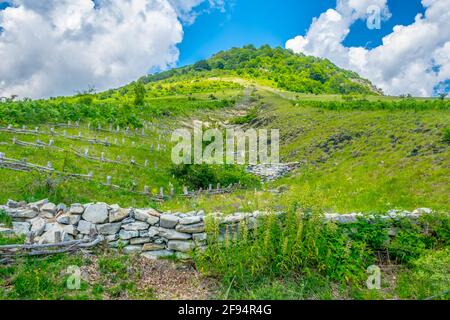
(386, 159)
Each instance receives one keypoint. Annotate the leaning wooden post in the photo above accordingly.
(2, 156)
(108, 180)
(161, 193)
(185, 191)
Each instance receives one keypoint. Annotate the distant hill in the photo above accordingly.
(277, 67)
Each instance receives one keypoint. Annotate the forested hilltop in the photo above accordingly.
(278, 67)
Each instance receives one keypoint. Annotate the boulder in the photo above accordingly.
(96, 213)
(68, 219)
(168, 221)
(108, 228)
(191, 220)
(154, 255)
(76, 209)
(118, 214)
(22, 214)
(171, 234)
(49, 208)
(152, 232)
(149, 216)
(86, 227)
(127, 235)
(191, 228)
(21, 228)
(136, 226)
(38, 226)
(130, 249)
(50, 237)
(181, 246)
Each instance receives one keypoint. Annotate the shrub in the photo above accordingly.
(447, 135)
(201, 176)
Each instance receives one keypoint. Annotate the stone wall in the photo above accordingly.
(146, 231)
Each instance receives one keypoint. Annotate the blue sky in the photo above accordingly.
(275, 22)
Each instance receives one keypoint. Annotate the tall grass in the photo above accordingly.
(294, 244)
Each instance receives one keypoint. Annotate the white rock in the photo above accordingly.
(22, 214)
(37, 226)
(132, 249)
(127, 235)
(21, 228)
(191, 228)
(86, 227)
(118, 214)
(108, 228)
(181, 246)
(171, 234)
(49, 207)
(150, 216)
(136, 226)
(168, 221)
(76, 209)
(191, 220)
(96, 213)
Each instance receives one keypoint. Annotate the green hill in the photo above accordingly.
(278, 68)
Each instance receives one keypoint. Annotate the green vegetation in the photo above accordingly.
(201, 176)
(296, 256)
(277, 67)
(358, 151)
(447, 135)
(5, 219)
(110, 276)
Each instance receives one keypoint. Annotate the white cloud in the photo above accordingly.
(412, 59)
(56, 47)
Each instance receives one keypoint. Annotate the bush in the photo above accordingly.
(447, 135)
(201, 176)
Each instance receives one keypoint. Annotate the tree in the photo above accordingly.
(139, 93)
(442, 95)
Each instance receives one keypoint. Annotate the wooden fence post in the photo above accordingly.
(108, 180)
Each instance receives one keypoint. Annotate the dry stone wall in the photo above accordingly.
(148, 232)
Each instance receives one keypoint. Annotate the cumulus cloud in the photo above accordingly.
(412, 59)
(56, 47)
